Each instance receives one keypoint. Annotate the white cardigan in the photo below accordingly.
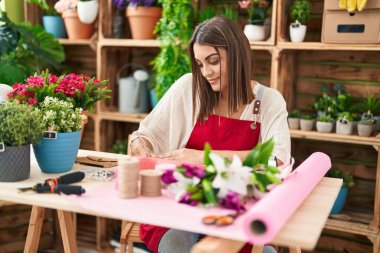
(169, 125)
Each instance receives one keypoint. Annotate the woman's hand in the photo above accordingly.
(141, 147)
(184, 155)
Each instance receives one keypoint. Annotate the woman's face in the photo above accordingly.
(212, 65)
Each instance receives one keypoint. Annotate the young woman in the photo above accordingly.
(218, 103)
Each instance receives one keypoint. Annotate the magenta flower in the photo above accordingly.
(232, 201)
(168, 178)
(185, 199)
(194, 171)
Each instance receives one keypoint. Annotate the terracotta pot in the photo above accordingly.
(75, 28)
(142, 21)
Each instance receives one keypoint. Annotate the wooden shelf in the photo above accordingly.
(128, 43)
(327, 46)
(332, 137)
(123, 117)
(351, 227)
(75, 42)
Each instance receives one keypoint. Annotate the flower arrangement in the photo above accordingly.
(82, 91)
(121, 4)
(221, 181)
(60, 116)
(63, 5)
(257, 10)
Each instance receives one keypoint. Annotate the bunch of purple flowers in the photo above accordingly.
(122, 4)
(221, 181)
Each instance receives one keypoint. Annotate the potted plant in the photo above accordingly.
(60, 143)
(366, 124)
(75, 28)
(325, 124)
(20, 126)
(294, 119)
(174, 29)
(371, 103)
(325, 105)
(25, 49)
(257, 15)
(307, 122)
(356, 117)
(88, 11)
(300, 12)
(348, 182)
(143, 16)
(344, 124)
(52, 21)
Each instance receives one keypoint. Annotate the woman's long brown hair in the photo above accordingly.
(220, 32)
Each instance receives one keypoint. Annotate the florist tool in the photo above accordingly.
(59, 185)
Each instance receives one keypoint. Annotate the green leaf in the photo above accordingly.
(260, 154)
(207, 150)
(208, 192)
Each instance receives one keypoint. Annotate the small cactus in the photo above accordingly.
(19, 125)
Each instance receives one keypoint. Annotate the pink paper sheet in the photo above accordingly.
(272, 210)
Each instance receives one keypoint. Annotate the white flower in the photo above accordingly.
(179, 188)
(230, 177)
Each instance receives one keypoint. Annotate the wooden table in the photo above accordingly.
(302, 230)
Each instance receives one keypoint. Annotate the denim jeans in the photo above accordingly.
(177, 241)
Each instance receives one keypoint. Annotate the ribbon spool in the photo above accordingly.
(128, 177)
(150, 183)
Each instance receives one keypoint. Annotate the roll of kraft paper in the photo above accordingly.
(265, 219)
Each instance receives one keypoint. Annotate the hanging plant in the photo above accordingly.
(174, 29)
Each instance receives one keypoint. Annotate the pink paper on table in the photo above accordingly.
(164, 211)
(264, 221)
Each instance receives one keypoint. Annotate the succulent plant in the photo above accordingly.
(20, 125)
(326, 118)
(348, 180)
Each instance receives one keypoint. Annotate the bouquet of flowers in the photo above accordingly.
(257, 10)
(80, 90)
(60, 116)
(224, 182)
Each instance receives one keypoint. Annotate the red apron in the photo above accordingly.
(222, 134)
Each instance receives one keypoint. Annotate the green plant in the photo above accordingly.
(295, 113)
(326, 104)
(60, 116)
(20, 125)
(175, 29)
(219, 10)
(300, 10)
(325, 118)
(369, 121)
(120, 147)
(307, 117)
(348, 180)
(370, 103)
(26, 49)
(346, 116)
(257, 10)
(50, 11)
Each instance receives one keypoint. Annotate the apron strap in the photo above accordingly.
(256, 106)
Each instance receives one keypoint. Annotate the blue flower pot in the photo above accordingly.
(340, 200)
(54, 25)
(58, 155)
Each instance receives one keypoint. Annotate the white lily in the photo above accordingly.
(231, 177)
(179, 188)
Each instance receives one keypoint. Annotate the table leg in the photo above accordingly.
(212, 244)
(257, 249)
(67, 231)
(34, 230)
(294, 249)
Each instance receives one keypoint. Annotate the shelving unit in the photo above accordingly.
(295, 69)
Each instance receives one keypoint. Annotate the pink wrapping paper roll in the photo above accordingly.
(263, 221)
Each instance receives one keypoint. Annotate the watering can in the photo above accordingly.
(133, 89)
(4, 90)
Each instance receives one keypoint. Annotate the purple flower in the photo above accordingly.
(232, 201)
(168, 178)
(121, 4)
(194, 171)
(185, 199)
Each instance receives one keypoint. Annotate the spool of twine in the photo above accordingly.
(128, 177)
(150, 183)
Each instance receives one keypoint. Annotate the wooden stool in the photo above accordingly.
(130, 233)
